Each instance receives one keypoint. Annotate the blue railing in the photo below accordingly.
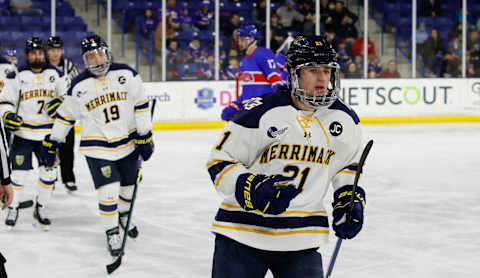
(140, 45)
(398, 48)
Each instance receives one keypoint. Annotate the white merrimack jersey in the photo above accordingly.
(31, 92)
(273, 137)
(6, 67)
(110, 110)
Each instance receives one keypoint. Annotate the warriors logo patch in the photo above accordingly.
(106, 171)
(19, 159)
(335, 128)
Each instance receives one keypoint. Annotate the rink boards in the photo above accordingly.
(198, 104)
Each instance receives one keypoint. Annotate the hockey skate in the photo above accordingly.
(12, 217)
(70, 186)
(133, 230)
(40, 217)
(114, 241)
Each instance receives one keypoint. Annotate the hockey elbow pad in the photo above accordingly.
(348, 224)
(144, 145)
(12, 121)
(268, 194)
(53, 105)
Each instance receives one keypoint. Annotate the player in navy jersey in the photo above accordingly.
(273, 167)
(258, 72)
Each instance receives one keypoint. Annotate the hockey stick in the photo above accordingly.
(118, 261)
(363, 157)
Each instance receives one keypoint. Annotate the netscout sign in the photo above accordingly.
(380, 97)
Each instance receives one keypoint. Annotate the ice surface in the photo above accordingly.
(422, 217)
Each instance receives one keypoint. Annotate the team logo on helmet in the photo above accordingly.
(106, 171)
(19, 159)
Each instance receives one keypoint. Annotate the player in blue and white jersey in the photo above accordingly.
(258, 73)
(110, 102)
(23, 113)
(274, 164)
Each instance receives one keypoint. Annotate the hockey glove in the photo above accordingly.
(144, 145)
(12, 121)
(48, 152)
(268, 194)
(345, 224)
(230, 111)
(53, 105)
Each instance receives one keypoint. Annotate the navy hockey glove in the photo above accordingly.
(229, 111)
(53, 105)
(144, 145)
(48, 152)
(346, 225)
(12, 121)
(269, 194)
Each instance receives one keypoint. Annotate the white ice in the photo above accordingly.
(422, 217)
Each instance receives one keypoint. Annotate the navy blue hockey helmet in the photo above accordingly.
(35, 43)
(94, 44)
(248, 31)
(313, 51)
(55, 42)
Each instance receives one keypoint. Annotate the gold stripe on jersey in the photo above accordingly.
(26, 129)
(210, 163)
(37, 93)
(259, 231)
(38, 123)
(324, 130)
(45, 185)
(107, 202)
(225, 204)
(106, 149)
(111, 139)
(142, 111)
(104, 99)
(59, 120)
(221, 174)
(296, 152)
(143, 101)
(109, 213)
(347, 172)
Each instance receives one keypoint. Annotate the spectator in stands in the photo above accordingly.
(4, 7)
(473, 47)
(194, 51)
(455, 31)
(175, 55)
(470, 21)
(24, 7)
(433, 51)
(454, 47)
(343, 54)
(289, 16)
(430, 8)
(332, 39)
(472, 72)
(307, 8)
(373, 65)
(352, 71)
(391, 71)
(278, 37)
(232, 69)
(204, 17)
(327, 13)
(422, 34)
(275, 24)
(187, 22)
(173, 23)
(258, 14)
(232, 25)
(344, 21)
(148, 24)
(357, 47)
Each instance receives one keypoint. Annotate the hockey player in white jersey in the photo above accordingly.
(23, 113)
(273, 166)
(110, 102)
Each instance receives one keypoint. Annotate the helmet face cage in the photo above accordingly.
(317, 99)
(99, 69)
(313, 51)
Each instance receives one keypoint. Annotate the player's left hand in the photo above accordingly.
(144, 145)
(52, 106)
(230, 111)
(48, 152)
(345, 224)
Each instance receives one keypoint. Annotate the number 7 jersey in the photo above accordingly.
(110, 110)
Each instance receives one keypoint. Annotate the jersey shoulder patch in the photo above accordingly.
(115, 66)
(339, 105)
(256, 107)
(77, 79)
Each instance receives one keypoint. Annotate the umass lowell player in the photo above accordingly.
(23, 113)
(273, 166)
(258, 70)
(110, 101)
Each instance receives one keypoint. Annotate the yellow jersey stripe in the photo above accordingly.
(220, 177)
(323, 128)
(347, 172)
(210, 163)
(259, 231)
(142, 111)
(285, 212)
(109, 213)
(106, 202)
(106, 149)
